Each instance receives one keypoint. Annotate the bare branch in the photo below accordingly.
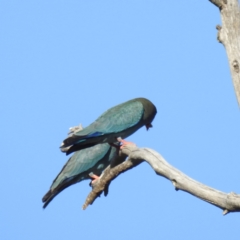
(227, 202)
(229, 36)
(109, 174)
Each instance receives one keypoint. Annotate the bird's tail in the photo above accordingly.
(47, 198)
(52, 193)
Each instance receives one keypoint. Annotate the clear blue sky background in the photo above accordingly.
(65, 62)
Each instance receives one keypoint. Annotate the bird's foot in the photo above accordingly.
(124, 143)
(94, 179)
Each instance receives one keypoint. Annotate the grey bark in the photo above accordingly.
(227, 202)
(229, 36)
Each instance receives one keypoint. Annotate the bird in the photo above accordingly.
(116, 123)
(84, 164)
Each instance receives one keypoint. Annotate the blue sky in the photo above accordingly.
(64, 63)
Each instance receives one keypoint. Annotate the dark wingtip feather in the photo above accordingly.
(51, 194)
(47, 202)
(77, 147)
(47, 198)
(72, 139)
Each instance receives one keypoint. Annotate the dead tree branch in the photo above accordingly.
(229, 36)
(227, 202)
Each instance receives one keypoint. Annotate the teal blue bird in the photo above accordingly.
(83, 164)
(116, 123)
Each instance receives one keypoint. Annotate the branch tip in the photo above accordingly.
(225, 212)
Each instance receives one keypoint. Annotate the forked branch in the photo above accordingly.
(227, 202)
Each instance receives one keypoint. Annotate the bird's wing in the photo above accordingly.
(78, 167)
(80, 162)
(114, 120)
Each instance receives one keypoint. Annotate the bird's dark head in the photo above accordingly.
(149, 112)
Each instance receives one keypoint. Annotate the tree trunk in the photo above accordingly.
(229, 36)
